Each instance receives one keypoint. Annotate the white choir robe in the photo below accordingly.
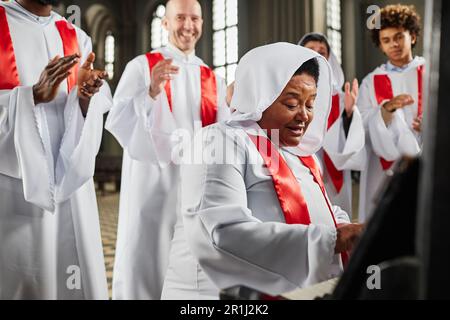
(346, 153)
(390, 142)
(49, 224)
(232, 231)
(150, 186)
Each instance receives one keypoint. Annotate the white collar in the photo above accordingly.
(35, 18)
(393, 68)
(389, 67)
(180, 54)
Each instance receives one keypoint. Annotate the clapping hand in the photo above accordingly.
(57, 70)
(89, 82)
(351, 97)
(161, 73)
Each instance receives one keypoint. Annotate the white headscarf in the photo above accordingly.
(336, 68)
(262, 75)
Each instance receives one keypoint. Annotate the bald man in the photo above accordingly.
(159, 93)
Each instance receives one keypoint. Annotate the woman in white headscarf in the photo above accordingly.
(254, 209)
(343, 147)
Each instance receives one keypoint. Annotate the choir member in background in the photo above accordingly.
(391, 101)
(343, 149)
(159, 93)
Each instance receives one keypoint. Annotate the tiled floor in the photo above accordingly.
(109, 206)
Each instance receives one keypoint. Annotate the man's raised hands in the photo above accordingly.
(161, 73)
(57, 70)
(89, 82)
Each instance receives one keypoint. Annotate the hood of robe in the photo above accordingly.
(262, 75)
(336, 68)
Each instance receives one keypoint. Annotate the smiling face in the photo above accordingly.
(293, 111)
(397, 44)
(184, 23)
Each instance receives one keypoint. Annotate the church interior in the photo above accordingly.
(122, 30)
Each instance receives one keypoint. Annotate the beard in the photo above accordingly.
(49, 2)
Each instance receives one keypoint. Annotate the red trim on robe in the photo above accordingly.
(335, 110)
(337, 176)
(70, 46)
(383, 87)
(420, 74)
(287, 188)
(9, 78)
(209, 96)
(383, 91)
(209, 100)
(153, 59)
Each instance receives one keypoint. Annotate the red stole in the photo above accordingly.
(8, 65)
(208, 90)
(287, 188)
(383, 91)
(9, 78)
(70, 46)
(337, 176)
(420, 71)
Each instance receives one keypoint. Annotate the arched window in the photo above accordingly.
(110, 55)
(159, 36)
(334, 28)
(225, 38)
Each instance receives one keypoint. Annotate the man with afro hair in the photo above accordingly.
(390, 100)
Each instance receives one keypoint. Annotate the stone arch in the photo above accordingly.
(99, 21)
(147, 19)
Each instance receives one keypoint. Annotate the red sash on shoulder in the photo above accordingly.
(383, 91)
(9, 78)
(287, 188)
(337, 176)
(8, 66)
(209, 96)
(208, 90)
(70, 46)
(153, 59)
(420, 73)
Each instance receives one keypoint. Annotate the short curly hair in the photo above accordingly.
(397, 16)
